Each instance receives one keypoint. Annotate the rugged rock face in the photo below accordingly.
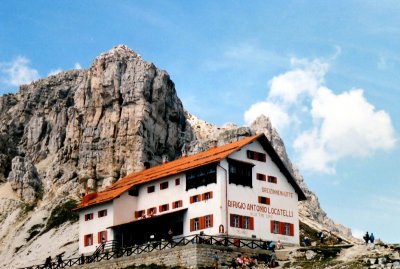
(83, 130)
(24, 180)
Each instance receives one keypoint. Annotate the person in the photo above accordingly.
(279, 245)
(307, 241)
(170, 235)
(271, 245)
(239, 261)
(47, 263)
(322, 237)
(372, 238)
(59, 260)
(215, 259)
(103, 243)
(366, 238)
(272, 261)
(82, 259)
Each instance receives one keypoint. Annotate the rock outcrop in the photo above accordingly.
(82, 130)
(24, 180)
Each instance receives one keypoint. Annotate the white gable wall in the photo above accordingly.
(243, 200)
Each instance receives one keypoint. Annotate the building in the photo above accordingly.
(242, 189)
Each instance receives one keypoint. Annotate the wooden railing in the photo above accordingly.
(111, 249)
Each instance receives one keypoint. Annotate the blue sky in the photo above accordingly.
(327, 74)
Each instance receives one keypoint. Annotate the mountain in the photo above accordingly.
(82, 130)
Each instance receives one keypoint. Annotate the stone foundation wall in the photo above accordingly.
(190, 256)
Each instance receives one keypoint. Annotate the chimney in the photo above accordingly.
(164, 159)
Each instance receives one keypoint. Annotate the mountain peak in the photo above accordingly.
(118, 52)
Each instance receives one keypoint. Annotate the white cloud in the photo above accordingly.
(357, 233)
(54, 72)
(59, 70)
(306, 78)
(77, 66)
(341, 124)
(276, 113)
(18, 72)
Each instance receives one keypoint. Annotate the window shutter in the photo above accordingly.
(211, 221)
(268, 201)
(85, 240)
(136, 214)
(272, 226)
(191, 199)
(99, 237)
(241, 221)
(231, 217)
(167, 207)
(281, 228)
(255, 155)
(251, 223)
(192, 225)
(291, 228)
(203, 197)
(211, 194)
(202, 223)
(180, 203)
(160, 208)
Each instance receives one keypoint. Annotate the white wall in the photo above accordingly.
(249, 198)
(124, 208)
(95, 225)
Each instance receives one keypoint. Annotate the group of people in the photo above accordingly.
(369, 238)
(49, 263)
(243, 261)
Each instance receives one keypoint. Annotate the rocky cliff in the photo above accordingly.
(83, 130)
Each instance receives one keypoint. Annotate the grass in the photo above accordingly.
(61, 214)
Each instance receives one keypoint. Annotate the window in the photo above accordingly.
(246, 223)
(134, 191)
(139, 214)
(102, 213)
(201, 223)
(201, 176)
(240, 173)
(177, 181)
(206, 196)
(150, 189)
(272, 179)
(261, 177)
(152, 211)
(207, 221)
(235, 221)
(163, 208)
(282, 228)
(258, 156)
(242, 222)
(164, 185)
(177, 204)
(195, 198)
(100, 236)
(88, 240)
(88, 216)
(264, 200)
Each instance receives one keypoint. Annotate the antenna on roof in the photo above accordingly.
(164, 158)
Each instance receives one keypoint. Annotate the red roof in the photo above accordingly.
(212, 155)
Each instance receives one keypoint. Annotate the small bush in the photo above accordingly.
(61, 214)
